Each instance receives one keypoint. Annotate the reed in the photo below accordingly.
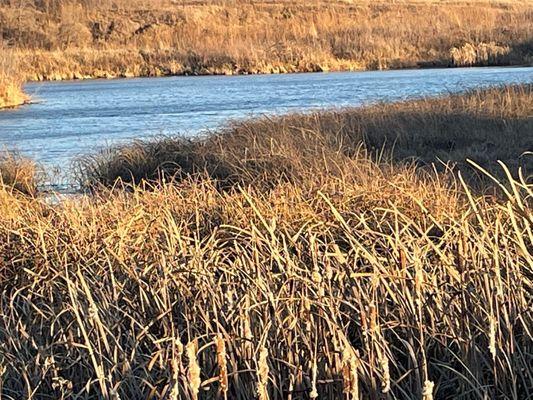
(364, 279)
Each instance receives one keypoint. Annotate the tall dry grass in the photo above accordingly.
(77, 39)
(19, 174)
(382, 283)
(11, 93)
(364, 279)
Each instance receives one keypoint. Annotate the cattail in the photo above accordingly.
(349, 373)
(492, 336)
(316, 276)
(385, 380)
(314, 391)
(427, 392)
(262, 374)
(176, 363)
(222, 364)
(364, 322)
(247, 330)
(374, 328)
(193, 373)
(403, 260)
(419, 282)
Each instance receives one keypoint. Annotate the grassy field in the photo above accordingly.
(292, 258)
(103, 38)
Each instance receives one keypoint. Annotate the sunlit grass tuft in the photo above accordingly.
(11, 93)
(18, 174)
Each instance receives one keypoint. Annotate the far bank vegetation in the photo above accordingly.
(102, 38)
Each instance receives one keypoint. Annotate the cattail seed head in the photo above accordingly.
(385, 380)
(427, 392)
(314, 391)
(349, 373)
(193, 373)
(492, 336)
(176, 366)
(222, 363)
(316, 276)
(262, 374)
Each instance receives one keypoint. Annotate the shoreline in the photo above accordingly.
(108, 75)
(422, 106)
(27, 98)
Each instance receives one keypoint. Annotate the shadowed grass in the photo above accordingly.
(18, 174)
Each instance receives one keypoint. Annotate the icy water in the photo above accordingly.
(77, 117)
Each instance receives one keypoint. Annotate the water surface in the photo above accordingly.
(76, 117)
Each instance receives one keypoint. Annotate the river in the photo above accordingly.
(71, 118)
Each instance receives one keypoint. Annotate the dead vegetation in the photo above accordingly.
(11, 93)
(362, 279)
(18, 174)
(80, 39)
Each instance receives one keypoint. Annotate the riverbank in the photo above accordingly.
(283, 258)
(75, 40)
(484, 125)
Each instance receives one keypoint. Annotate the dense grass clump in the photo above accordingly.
(11, 93)
(18, 174)
(483, 125)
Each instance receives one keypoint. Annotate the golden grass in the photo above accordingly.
(18, 174)
(79, 39)
(11, 93)
(363, 280)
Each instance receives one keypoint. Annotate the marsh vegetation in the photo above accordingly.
(84, 38)
(306, 256)
(11, 93)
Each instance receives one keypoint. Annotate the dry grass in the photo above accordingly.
(10, 80)
(78, 39)
(397, 273)
(362, 280)
(482, 125)
(18, 174)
